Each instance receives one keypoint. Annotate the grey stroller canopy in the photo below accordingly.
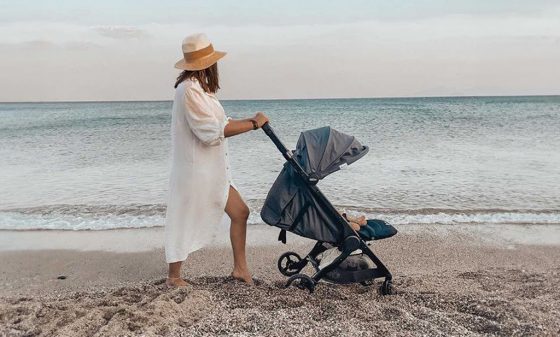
(289, 205)
(325, 150)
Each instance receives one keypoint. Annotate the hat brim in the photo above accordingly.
(201, 63)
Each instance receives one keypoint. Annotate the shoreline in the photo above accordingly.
(450, 282)
(151, 238)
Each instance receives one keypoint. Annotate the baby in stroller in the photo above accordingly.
(356, 222)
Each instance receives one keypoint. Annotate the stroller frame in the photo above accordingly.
(349, 244)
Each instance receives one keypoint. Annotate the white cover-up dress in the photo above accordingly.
(200, 174)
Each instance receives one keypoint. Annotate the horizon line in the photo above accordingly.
(286, 99)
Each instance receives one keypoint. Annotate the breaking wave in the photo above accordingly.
(105, 217)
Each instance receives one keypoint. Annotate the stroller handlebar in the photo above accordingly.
(284, 150)
(281, 147)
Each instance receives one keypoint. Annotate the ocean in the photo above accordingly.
(464, 160)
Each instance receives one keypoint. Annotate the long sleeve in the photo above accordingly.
(201, 116)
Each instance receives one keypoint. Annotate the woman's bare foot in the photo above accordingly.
(243, 276)
(175, 282)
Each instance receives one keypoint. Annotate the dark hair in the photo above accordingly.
(208, 78)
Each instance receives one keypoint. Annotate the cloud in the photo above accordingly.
(45, 46)
(121, 32)
(32, 45)
(80, 45)
(37, 44)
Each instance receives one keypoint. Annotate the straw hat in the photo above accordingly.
(198, 53)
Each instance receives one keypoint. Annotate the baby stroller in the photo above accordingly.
(295, 204)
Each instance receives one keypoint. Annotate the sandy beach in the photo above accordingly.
(450, 283)
(118, 118)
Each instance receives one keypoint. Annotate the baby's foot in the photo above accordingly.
(355, 226)
(361, 220)
(175, 282)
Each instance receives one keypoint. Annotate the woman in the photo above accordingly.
(201, 188)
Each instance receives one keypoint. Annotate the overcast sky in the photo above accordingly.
(125, 50)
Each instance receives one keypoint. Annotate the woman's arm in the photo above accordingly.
(238, 126)
(201, 118)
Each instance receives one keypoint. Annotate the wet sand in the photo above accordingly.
(451, 284)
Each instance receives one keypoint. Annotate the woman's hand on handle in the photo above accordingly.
(239, 126)
(261, 118)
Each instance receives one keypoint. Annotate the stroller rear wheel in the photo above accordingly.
(302, 281)
(290, 263)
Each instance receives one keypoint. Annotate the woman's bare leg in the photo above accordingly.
(238, 212)
(174, 275)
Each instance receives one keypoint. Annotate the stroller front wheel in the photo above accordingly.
(290, 263)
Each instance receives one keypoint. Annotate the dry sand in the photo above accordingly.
(451, 285)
